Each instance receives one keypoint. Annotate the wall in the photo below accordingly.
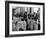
(2, 19)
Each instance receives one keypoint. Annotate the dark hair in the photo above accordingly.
(21, 29)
